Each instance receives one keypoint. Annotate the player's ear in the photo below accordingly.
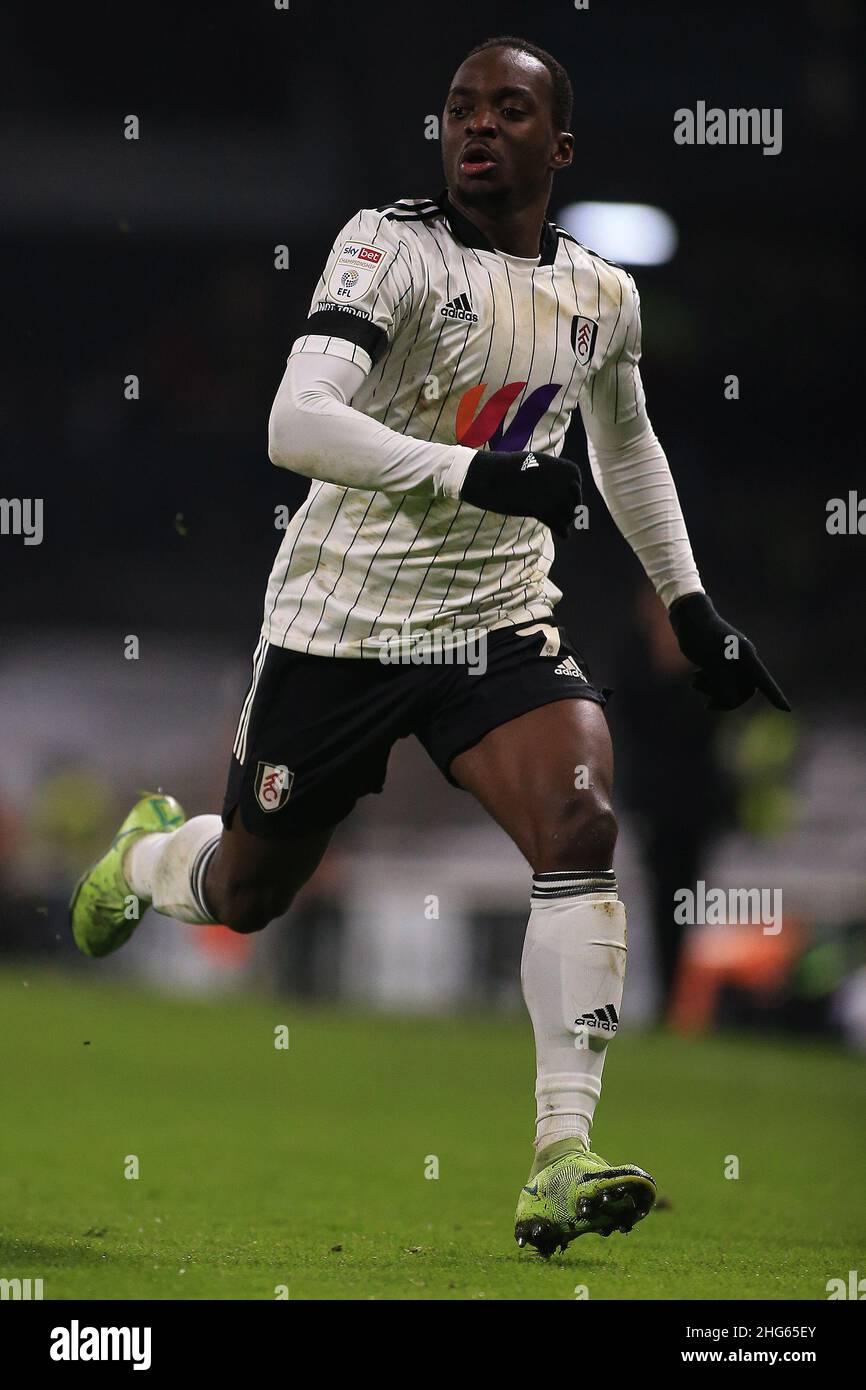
(563, 152)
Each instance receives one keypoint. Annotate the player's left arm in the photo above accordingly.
(632, 474)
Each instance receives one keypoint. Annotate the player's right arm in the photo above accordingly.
(364, 298)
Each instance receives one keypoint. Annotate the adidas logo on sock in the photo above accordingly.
(459, 308)
(607, 1019)
(529, 462)
(569, 667)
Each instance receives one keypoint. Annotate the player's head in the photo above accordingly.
(505, 124)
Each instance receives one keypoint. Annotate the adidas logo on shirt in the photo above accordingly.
(459, 308)
(569, 667)
(529, 462)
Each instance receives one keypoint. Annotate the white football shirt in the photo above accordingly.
(461, 344)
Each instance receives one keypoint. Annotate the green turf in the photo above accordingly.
(305, 1167)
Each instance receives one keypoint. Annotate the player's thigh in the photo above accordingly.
(547, 778)
(276, 867)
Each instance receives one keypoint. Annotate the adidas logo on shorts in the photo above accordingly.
(569, 667)
(460, 307)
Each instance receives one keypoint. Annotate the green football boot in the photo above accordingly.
(100, 913)
(571, 1192)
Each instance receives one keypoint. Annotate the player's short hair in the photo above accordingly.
(563, 95)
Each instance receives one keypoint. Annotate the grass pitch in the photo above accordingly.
(305, 1167)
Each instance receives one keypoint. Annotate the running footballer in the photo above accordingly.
(450, 340)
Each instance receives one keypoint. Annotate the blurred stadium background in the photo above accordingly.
(155, 257)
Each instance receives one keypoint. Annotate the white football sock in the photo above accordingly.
(168, 868)
(572, 972)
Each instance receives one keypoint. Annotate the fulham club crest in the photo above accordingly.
(583, 334)
(273, 785)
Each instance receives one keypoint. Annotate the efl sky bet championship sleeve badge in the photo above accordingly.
(355, 269)
(273, 785)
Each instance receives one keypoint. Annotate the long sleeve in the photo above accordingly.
(313, 430)
(632, 474)
(628, 463)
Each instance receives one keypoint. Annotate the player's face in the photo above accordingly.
(498, 138)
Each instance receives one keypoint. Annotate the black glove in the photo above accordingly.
(524, 484)
(729, 680)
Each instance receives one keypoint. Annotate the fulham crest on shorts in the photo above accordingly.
(273, 785)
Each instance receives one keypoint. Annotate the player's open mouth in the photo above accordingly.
(476, 160)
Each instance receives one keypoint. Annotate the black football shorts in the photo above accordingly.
(315, 732)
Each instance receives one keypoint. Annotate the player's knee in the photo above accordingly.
(581, 835)
(249, 908)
